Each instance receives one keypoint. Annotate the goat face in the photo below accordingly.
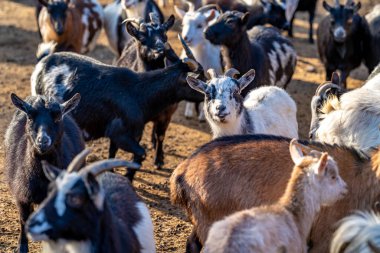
(74, 204)
(194, 25)
(343, 20)
(223, 100)
(151, 37)
(44, 125)
(228, 29)
(57, 11)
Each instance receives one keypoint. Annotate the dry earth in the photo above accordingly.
(18, 42)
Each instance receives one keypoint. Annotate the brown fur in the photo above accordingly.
(331, 104)
(226, 176)
(71, 39)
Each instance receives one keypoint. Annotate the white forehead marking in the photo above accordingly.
(64, 184)
(222, 84)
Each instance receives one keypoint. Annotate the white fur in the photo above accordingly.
(39, 229)
(64, 183)
(207, 54)
(355, 123)
(49, 79)
(354, 233)
(373, 83)
(144, 229)
(33, 78)
(373, 14)
(270, 109)
(65, 246)
(111, 14)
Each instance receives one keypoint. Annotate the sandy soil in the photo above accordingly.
(18, 42)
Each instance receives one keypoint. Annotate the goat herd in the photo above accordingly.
(255, 188)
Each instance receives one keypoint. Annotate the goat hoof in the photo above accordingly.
(158, 165)
(21, 249)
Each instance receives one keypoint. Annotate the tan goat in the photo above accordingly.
(287, 223)
(231, 174)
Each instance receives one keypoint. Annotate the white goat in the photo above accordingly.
(285, 225)
(208, 55)
(353, 119)
(266, 110)
(359, 232)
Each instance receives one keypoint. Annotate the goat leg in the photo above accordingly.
(25, 210)
(311, 19)
(193, 245)
(112, 150)
(290, 31)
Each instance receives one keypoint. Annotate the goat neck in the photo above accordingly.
(237, 54)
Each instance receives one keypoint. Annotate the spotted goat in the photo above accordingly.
(118, 11)
(91, 210)
(262, 48)
(68, 25)
(41, 129)
(265, 110)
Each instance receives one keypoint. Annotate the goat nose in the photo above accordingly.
(221, 107)
(43, 140)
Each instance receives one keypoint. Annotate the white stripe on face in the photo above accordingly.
(64, 184)
(36, 231)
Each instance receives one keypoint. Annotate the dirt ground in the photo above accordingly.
(18, 42)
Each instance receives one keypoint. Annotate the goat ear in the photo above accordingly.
(322, 164)
(295, 151)
(357, 6)
(181, 13)
(326, 6)
(93, 189)
(335, 79)
(132, 30)
(169, 23)
(245, 18)
(246, 79)
(196, 84)
(70, 104)
(21, 104)
(51, 172)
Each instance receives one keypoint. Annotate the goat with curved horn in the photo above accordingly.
(209, 7)
(233, 73)
(191, 6)
(188, 52)
(212, 73)
(99, 167)
(136, 21)
(78, 161)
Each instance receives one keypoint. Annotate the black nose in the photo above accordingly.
(311, 135)
(221, 108)
(42, 140)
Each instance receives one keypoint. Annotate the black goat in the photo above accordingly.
(116, 102)
(372, 53)
(309, 6)
(87, 212)
(118, 11)
(263, 49)
(341, 37)
(146, 53)
(39, 130)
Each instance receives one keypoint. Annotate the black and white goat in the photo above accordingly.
(342, 36)
(266, 110)
(116, 102)
(67, 25)
(88, 210)
(116, 12)
(147, 52)
(40, 129)
(264, 49)
(372, 53)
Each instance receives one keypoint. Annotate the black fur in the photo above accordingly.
(117, 102)
(309, 6)
(24, 174)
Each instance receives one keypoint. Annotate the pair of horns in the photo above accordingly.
(99, 167)
(233, 73)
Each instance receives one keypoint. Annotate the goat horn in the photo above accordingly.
(191, 6)
(99, 167)
(232, 73)
(212, 73)
(209, 7)
(323, 87)
(78, 161)
(188, 52)
(193, 65)
(154, 18)
(137, 21)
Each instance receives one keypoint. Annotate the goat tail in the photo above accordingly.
(359, 232)
(177, 187)
(45, 49)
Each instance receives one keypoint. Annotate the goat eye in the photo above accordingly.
(199, 26)
(377, 206)
(75, 200)
(333, 177)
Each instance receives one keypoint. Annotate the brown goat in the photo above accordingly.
(230, 174)
(68, 25)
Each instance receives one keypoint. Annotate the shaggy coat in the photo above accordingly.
(235, 173)
(372, 54)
